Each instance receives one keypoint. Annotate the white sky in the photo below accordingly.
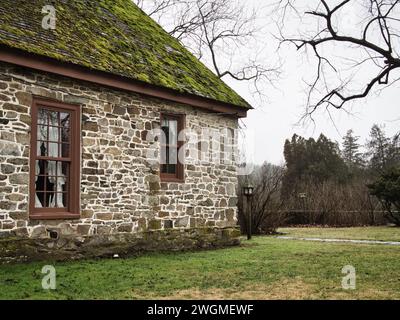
(276, 120)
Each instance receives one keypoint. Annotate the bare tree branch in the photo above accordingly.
(216, 31)
(376, 42)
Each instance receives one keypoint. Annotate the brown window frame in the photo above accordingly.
(72, 211)
(179, 176)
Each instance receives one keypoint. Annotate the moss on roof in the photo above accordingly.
(114, 36)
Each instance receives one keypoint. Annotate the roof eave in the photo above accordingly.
(46, 64)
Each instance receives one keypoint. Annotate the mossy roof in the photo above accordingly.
(114, 36)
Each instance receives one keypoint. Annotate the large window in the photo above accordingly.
(171, 168)
(55, 161)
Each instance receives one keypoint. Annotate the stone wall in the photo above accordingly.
(121, 191)
(125, 245)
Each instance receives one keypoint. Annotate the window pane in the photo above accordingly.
(173, 156)
(43, 116)
(57, 200)
(165, 129)
(50, 183)
(42, 132)
(40, 170)
(39, 182)
(65, 199)
(172, 169)
(54, 134)
(168, 168)
(62, 184)
(51, 177)
(65, 127)
(53, 118)
(65, 134)
(42, 149)
(64, 118)
(65, 169)
(53, 150)
(170, 129)
(169, 155)
(49, 132)
(173, 132)
(169, 160)
(65, 150)
(40, 200)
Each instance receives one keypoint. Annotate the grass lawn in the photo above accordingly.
(362, 233)
(264, 268)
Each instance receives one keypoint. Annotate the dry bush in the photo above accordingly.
(266, 204)
(334, 204)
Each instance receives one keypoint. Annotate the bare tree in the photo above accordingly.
(333, 204)
(369, 45)
(217, 32)
(266, 202)
(154, 7)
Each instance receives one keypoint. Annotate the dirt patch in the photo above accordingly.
(292, 289)
(364, 294)
(351, 241)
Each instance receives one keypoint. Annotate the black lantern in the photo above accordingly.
(303, 197)
(248, 190)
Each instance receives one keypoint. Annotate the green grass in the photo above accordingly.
(264, 268)
(361, 233)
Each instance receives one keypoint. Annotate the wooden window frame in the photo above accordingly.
(179, 176)
(73, 207)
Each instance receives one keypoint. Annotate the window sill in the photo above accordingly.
(170, 180)
(54, 216)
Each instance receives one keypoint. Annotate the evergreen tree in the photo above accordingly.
(387, 190)
(351, 151)
(394, 152)
(310, 160)
(379, 149)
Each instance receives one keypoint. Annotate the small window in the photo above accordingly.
(55, 161)
(172, 170)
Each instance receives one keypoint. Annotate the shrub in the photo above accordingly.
(387, 190)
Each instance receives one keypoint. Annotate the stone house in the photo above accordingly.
(89, 90)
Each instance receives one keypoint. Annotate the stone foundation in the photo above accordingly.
(105, 246)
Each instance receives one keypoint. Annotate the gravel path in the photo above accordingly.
(390, 243)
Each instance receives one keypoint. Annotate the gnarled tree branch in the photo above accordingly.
(376, 41)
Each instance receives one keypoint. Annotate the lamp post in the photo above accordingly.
(303, 197)
(248, 193)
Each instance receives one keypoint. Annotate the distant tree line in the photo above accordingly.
(323, 184)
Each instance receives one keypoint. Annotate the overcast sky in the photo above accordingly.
(277, 119)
